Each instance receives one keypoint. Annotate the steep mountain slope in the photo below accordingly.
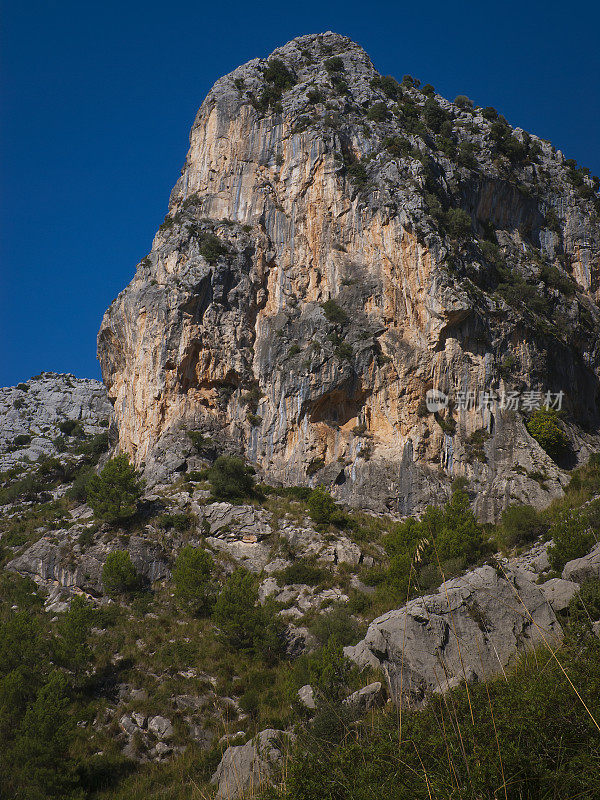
(337, 245)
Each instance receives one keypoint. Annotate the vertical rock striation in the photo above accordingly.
(338, 244)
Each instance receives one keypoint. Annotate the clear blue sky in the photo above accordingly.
(98, 99)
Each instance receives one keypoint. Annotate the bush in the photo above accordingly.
(211, 247)
(572, 538)
(279, 75)
(243, 624)
(358, 174)
(334, 64)
(334, 313)
(463, 102)
(202, 444)
(321, 506)
(231, 479)
(433, 115)
(520, 525)
(390, 87)
(458, 223)
(543, 426)
(181, 522)
(336, 624)
(450, 534)
(398, 146)
(118, 574)
(303, 572)
(21, 440)
(113, 495)
(378, 112)
(192, 579)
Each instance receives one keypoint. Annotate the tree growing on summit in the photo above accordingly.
(114, 493)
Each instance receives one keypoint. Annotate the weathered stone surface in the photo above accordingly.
(583, 569)
(51, 561)
(234, 341)
(161, 727)
(244, 768)
(368, 697)
(37, 407)
(306, 696)
(474, 627)
(559, 592)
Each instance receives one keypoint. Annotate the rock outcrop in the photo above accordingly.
(336, 246)
(246, 767)
(474, 627)
(32, 413)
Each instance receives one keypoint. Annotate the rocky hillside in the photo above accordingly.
(39, 417)
(338, 244)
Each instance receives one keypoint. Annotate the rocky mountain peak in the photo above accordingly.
(338, 244)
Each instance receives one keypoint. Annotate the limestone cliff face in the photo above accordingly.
(309, 179)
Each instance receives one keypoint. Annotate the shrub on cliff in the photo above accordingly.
(572, 537)
(114, 493)
(245, 625)
(458, 223)
(230, 479)
(321, 506)
(334, 313)
(118, 574)
(543, 426)
(520, 525)
(279, 75)
(192, 579)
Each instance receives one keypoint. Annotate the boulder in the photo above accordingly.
(161, 727)
(586, 568)
(245, 767)
(475, 626)
(559, 592)
(367, 698)
(307, 696)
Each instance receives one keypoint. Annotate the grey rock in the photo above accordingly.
(50, 563)
(306, 696)
(138, 718)
(583, 569)
(128, 725)
(161, 727)
(244, 768)
(559, 592)
(367, 698)
(38, 410)
(474, 627)
(161, 750)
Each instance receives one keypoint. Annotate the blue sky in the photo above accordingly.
(98, 99)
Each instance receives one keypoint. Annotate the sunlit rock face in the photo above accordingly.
(309, 179)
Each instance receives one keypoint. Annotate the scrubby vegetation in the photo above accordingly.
(113, 494)
(531, 734)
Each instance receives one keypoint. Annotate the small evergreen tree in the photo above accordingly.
(543, 426)
(231, 479)
(572, 538)
(191, 577)
(113, 495)
(243, 624)
(118, 574)
(321, 506)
